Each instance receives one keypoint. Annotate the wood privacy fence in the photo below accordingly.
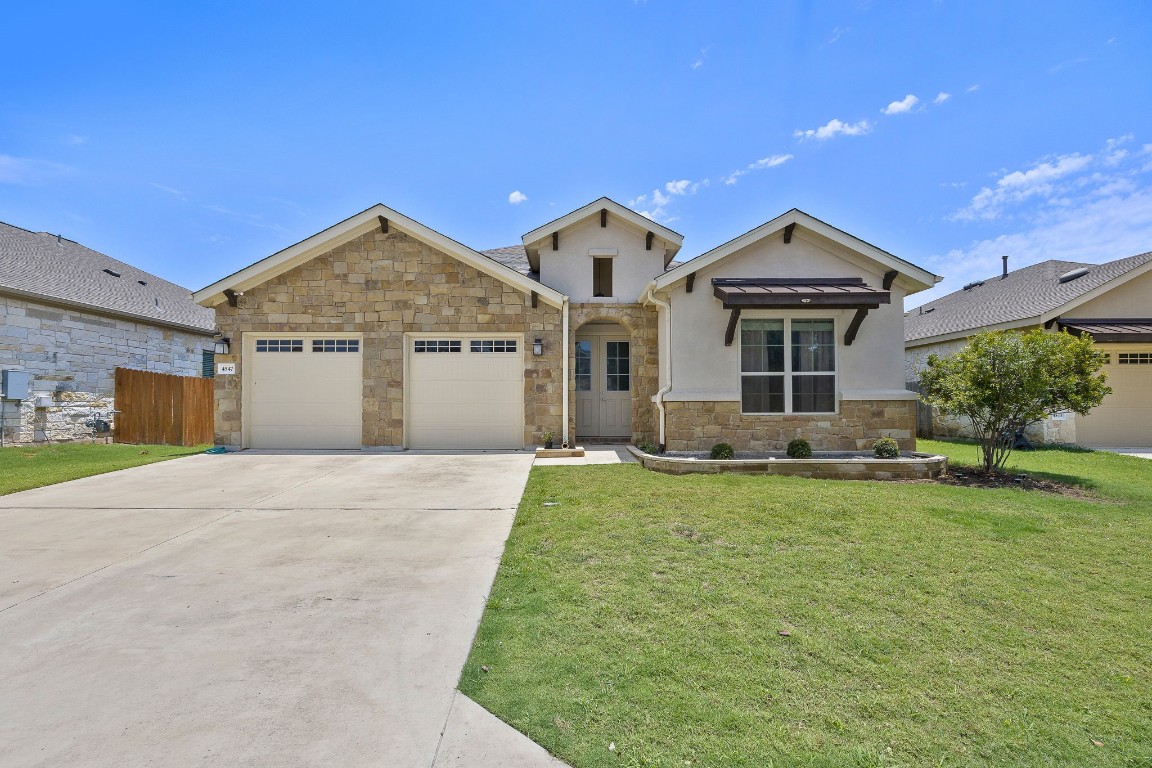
(925, 414)
(159, 409)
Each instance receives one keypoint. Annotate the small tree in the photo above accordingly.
(1004, 381)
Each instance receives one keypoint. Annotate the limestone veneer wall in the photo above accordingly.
(699, 425)
(640, 323)
(72, 356)
(383, 286)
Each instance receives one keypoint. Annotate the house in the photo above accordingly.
(382, 333)
(1110, 302)
(71, 316)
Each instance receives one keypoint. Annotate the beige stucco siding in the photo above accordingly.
(1131, 300)
(704, 369)
(569, 269)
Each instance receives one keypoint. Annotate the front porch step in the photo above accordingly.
(559, 453)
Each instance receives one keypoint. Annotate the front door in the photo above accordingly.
(603, 387)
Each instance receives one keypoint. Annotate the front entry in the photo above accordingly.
(603, 386)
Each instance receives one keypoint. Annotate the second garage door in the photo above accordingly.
(1124, 419)
(465, 391)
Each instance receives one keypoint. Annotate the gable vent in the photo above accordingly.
(1068, 277)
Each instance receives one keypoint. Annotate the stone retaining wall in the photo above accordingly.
(699, 425)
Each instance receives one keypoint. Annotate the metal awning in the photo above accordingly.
(739, 293)
(1114, 331)
(798, 293)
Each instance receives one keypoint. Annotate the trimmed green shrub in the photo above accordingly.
(647, 447)
(799, 449)
(722, 451)
(886, 448)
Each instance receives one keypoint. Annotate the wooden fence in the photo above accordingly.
(159, 409)
(924, 414)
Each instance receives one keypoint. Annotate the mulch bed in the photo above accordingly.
(971, 478)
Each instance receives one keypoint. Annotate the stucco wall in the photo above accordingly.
(72, 356)
(1131, 300)
(569, 269)
(384, 285)
(704, 369)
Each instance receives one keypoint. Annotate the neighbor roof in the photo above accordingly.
(53, 269)
(513, 257)
(1023, 297)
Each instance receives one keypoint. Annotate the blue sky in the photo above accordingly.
(193, 139)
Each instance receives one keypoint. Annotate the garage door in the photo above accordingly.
(1124, 419)
(304, 391)
(465, 392)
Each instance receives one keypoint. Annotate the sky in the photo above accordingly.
(193, 139)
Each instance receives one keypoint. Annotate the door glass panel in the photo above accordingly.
(583, 366)
(617, 365)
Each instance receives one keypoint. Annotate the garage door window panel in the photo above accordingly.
(280, 345)
(335, 345)
(437, 345)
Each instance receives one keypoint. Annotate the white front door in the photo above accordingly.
(603, 386)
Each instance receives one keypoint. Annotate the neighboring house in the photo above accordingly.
(1110, 302)
(380, 332)
(70, 317)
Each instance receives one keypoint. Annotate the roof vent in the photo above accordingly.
(114, 274)
(142, 282)
(1068, 277)
(930, 309)
(970, 286)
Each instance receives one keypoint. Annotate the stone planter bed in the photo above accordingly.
(827, 465)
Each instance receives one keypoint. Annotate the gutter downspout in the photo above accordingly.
(664, 313)
(564, 431)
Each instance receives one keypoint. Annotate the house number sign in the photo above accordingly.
(225, 369)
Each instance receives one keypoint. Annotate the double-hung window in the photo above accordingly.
(787, 366)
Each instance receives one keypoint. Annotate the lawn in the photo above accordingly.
(641, 619)
(24, 468)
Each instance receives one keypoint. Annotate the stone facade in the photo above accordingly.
(72, 356)
(699, 425)
(384, 285)
(640, 322)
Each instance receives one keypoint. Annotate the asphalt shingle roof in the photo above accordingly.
(1021, 295)
(513, 257)
(45, 265)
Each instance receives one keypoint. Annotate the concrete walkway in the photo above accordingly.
(594, 454)
(1140, 453)
(254, 610)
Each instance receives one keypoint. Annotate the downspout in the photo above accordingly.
(564, 312)
(665, 355)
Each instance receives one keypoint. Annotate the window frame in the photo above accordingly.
(788, 373)
(600, 266)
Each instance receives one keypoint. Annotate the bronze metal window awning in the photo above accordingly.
(1114, 331)
(739, 293)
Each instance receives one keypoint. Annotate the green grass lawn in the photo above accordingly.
(721, 620)
(24, 468)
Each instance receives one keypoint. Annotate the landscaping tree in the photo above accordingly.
(1004, 381)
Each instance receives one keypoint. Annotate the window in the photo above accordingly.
(787, 366)
(436, 345)
(494, 345)
(583, 366)
(617, 366)
(335, 345)
(601, 277)
(207, 364)
(1135, 358)
(280, 345)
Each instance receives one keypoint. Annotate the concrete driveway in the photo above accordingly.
(247, 609)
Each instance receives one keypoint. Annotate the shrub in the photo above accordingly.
(647, 447)
(886, 448)
(722, 451)
(799, 449)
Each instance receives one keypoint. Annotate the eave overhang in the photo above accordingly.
(1111, 331)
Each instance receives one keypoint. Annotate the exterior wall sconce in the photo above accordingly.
(538, 347)
(222, 346)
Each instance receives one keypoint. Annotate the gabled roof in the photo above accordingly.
(643, 224)
(513, 257)
(353, 227)
(53, 269)
(911, 277)
(1024, 297)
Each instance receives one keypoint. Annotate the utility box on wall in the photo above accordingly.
(17, 385)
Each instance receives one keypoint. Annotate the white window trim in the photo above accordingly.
(787, 373)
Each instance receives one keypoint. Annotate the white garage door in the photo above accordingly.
(304, 391)
(1124, 419)
(465, 392)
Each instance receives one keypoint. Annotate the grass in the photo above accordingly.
(24, 468)
(722, 620)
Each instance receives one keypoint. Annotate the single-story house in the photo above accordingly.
(70, 317)
(1111, 302)
(382, 333)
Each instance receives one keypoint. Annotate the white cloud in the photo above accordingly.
(699, 60)
(27, 171)
(1039, 180)
(973, 88)
(517, 197)
(765, 162)
(834, 127)
(175, 192)
(899, 107)
(681, 187)
(941, 97)
(837, 33)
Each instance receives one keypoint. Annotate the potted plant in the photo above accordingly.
(548, 438)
